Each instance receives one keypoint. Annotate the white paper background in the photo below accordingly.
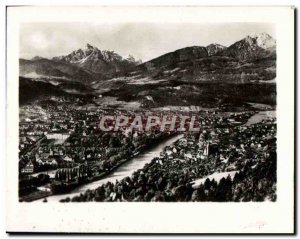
(159, 217)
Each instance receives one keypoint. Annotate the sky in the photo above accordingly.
(144, 41)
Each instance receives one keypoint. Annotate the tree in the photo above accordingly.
(207, 184)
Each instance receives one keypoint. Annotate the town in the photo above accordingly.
(62, 147)
(243, 167)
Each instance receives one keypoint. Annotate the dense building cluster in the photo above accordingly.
(62, 147)
(249, 152)
(64, 139)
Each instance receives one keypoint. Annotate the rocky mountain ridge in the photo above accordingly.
(99, 61)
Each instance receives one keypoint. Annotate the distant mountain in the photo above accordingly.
(204, 76)
(99, 61)
(214, 49)
(45, 68)
(252, 47)
(216, 62)
(184, 54)
(37, 58)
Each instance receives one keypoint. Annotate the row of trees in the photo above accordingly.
(250, 184)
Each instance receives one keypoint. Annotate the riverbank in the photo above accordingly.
(260, 116)
(37, 195)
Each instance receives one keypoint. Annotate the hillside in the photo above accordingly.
(252, 48)
(214, 49)
(45, 68)
(202, 76)
(31, 90)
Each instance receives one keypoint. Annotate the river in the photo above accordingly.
(121, 172)
(139, 161)
(261, 115)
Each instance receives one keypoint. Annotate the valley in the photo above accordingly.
(62, 100)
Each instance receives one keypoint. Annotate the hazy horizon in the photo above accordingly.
(144, 41)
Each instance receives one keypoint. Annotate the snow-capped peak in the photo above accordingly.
(263, 40)
(94, 59)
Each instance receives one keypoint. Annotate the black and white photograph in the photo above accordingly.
(70, 151)
(172, 112)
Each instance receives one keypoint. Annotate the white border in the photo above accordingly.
(158, 217)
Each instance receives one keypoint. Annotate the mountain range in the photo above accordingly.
(98, 61)
(251, 60)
